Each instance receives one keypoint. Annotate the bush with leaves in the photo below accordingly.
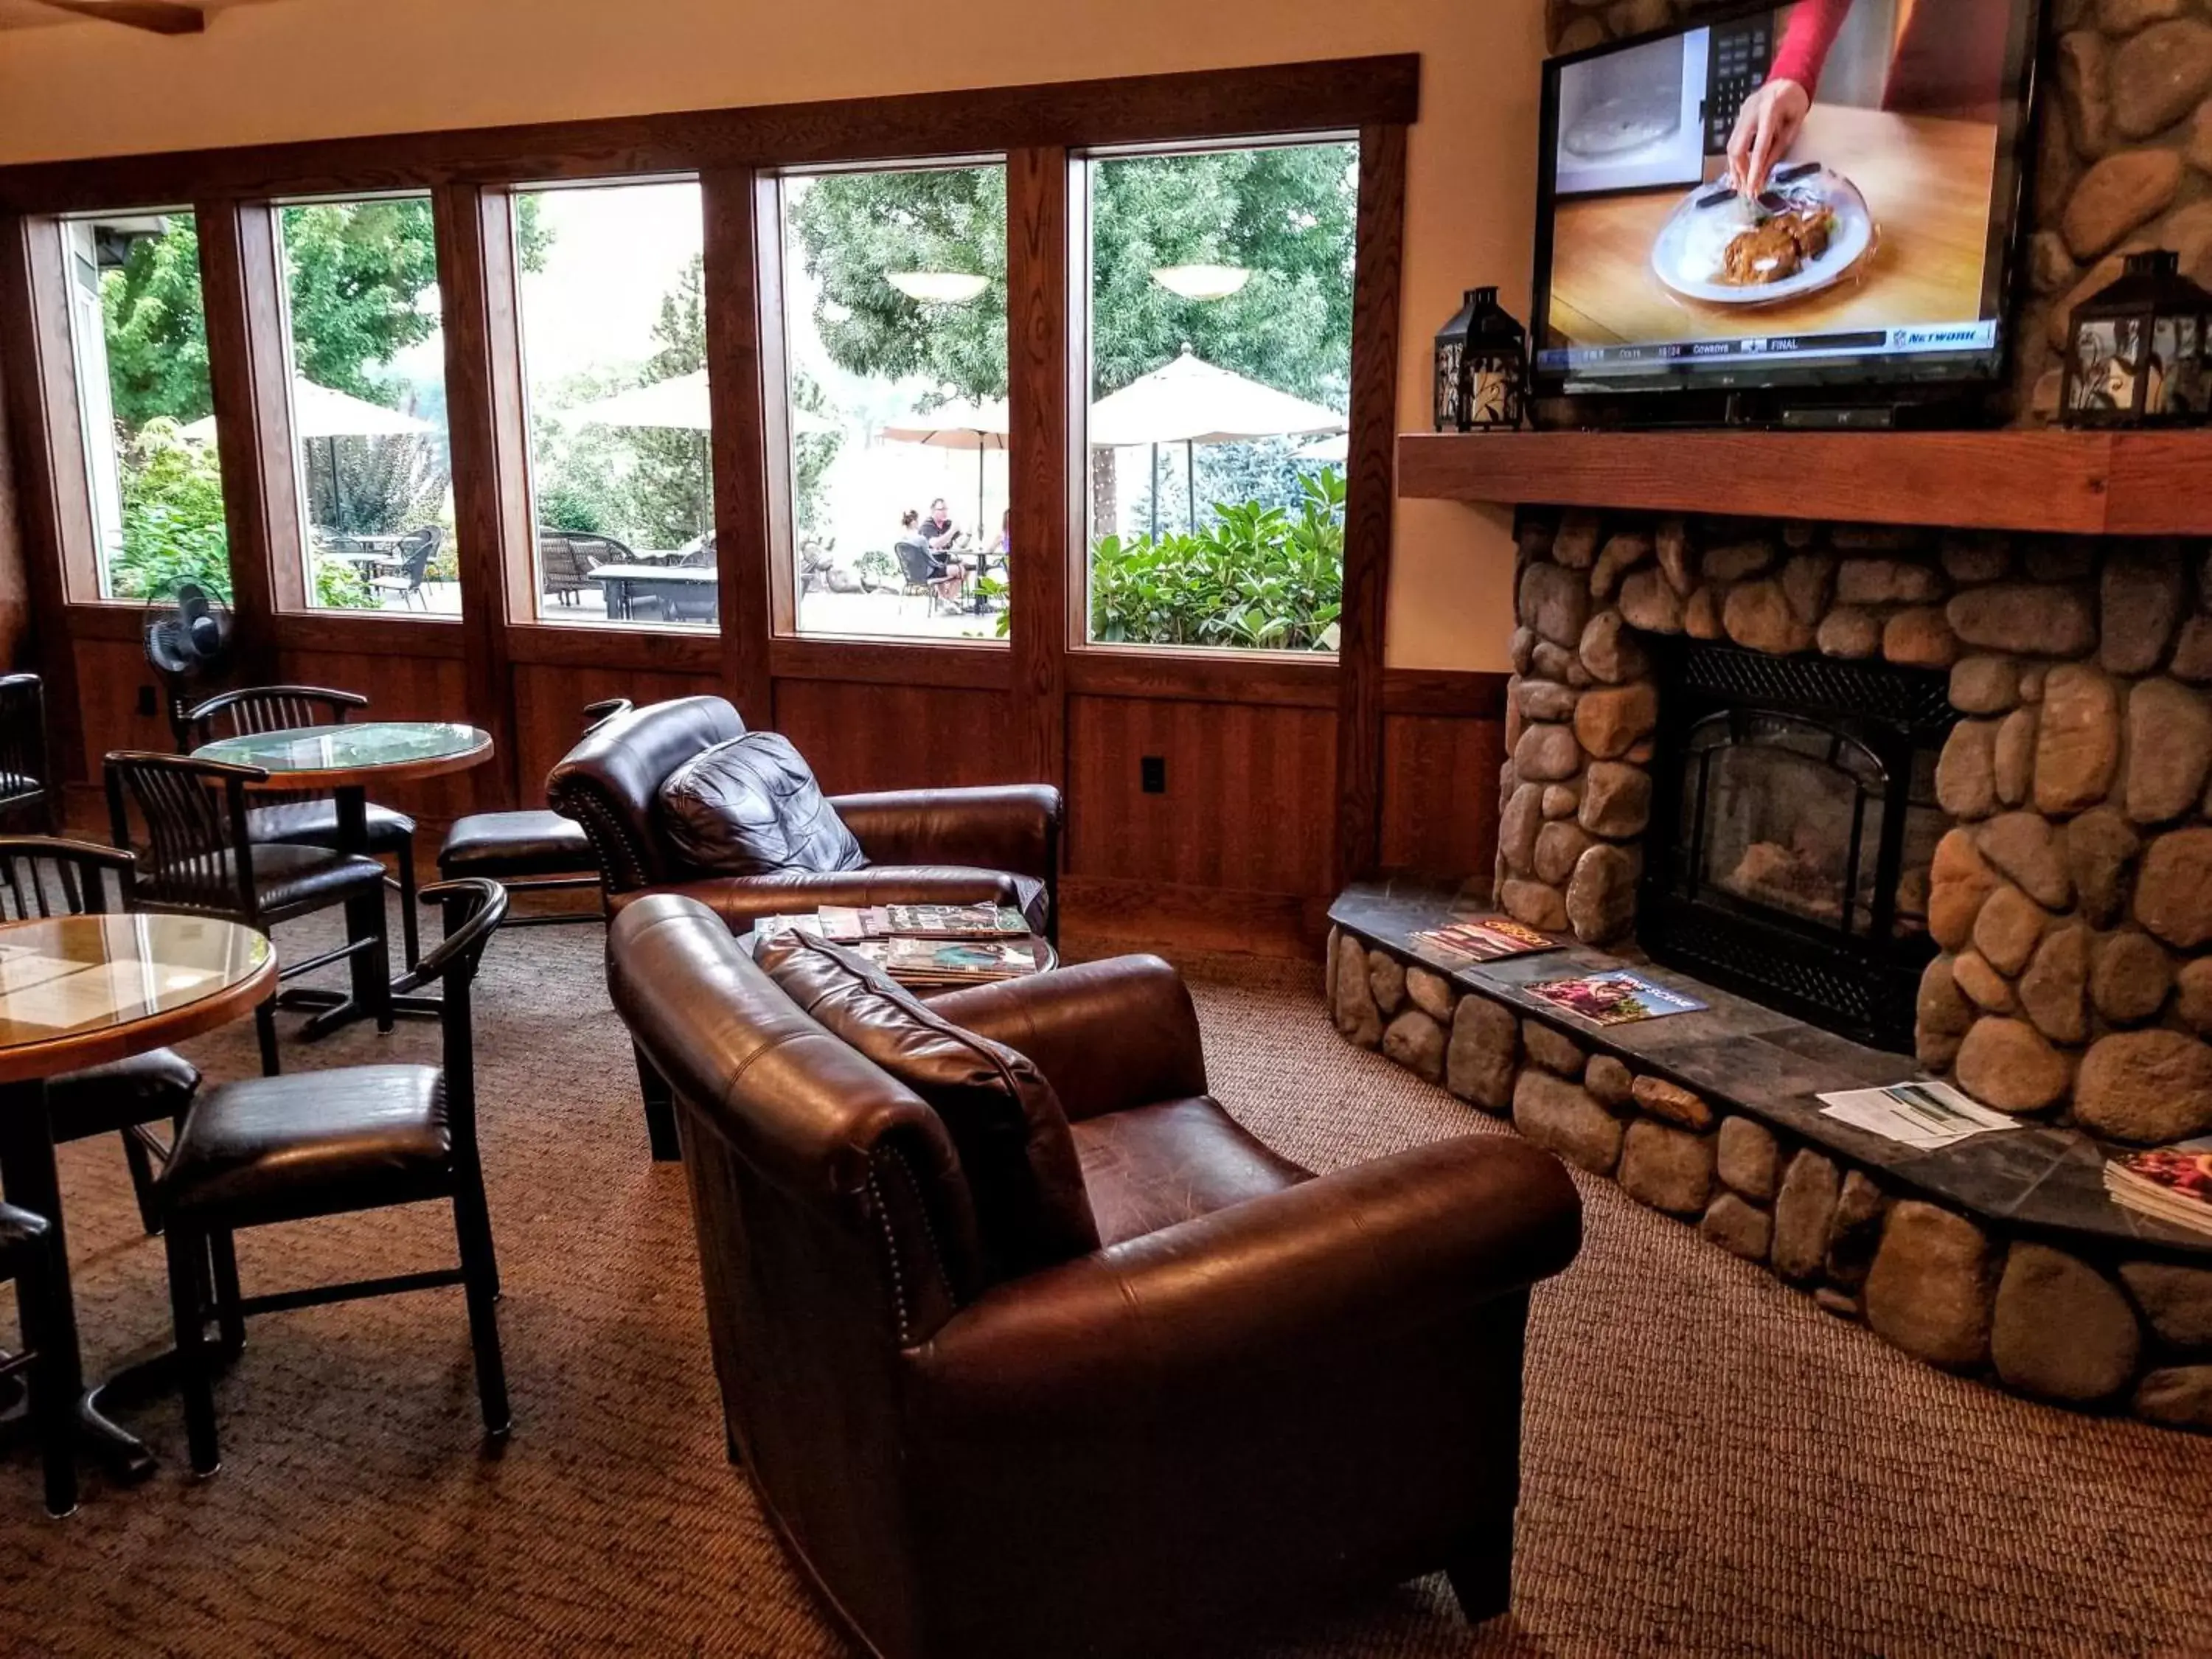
(173, 529)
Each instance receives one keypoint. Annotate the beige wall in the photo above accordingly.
(314, 69)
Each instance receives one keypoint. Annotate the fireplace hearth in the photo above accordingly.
(1794, 820)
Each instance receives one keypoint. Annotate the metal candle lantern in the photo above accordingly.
(2139, 350)
(1482, 366)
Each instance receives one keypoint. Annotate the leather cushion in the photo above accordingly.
(750, 806)
(149, 1088)
(1005, 1121)
(1150, 1167)
(310, 1143)
(315, 824)
(531, 843)
(289, 875)
(19, 1228)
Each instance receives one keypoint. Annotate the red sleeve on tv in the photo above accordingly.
(1806, 38)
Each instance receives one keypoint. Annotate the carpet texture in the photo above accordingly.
(1712, 1465)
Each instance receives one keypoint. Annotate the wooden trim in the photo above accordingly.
(1452, 694)
(1368, 487)
(1044, 431)
(668, 651)
(372, 634)
(1331, 95)
(43, 482)
(155, 16)
(947, 667)
(1203, 676)
(117, 621)
(1179, 919)
(743, 274)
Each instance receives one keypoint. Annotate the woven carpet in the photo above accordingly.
(1712, 1465)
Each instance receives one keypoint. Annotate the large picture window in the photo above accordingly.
(894, 325)
(1219, 325)
(139, 339)
(614, 352)
(367, 344)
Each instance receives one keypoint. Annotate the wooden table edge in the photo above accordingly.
(350, 777)
(29, 1061)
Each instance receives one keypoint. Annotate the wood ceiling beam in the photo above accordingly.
(160, 16)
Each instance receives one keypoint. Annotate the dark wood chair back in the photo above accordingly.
(198, 858)
(42, 877)
(26, 798)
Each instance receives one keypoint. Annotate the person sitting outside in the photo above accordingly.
(946, 576)
(939, 530)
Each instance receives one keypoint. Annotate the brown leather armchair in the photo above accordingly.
(1263, 1390)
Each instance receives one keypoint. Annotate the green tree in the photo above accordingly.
(669, 484)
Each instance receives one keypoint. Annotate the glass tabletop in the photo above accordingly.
(75, 977)
(365, 747)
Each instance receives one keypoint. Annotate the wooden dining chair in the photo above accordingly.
(303, 816)
(201, 860)
(28, 800)
(265, 1151)
(42, 877)
(26, 1256)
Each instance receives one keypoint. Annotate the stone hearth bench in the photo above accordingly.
(2000, 1256)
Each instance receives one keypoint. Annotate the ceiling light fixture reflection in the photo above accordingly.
(1202, 282)
(938, 287)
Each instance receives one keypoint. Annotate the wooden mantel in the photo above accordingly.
(2130, 483)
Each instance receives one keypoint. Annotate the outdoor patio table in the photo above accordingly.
(625, 583)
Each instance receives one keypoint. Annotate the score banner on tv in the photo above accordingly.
(1851, 343)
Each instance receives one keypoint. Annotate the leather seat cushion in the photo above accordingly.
(1005, 1121)
(536, 843)
(310, 1143)
(315, 824)
(19, 1228)
(750, 806)
(1152, 1166)
(149, 1088)
(289, 875)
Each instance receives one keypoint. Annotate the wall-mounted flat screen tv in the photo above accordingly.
(1817, 193)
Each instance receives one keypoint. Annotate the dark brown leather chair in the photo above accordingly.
(1262, 1391)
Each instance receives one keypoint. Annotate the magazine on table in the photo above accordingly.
(947, 921)
(2173, 1183)
(1484, 938)
(1616, 997)
(957, 962)
(1917, 1113)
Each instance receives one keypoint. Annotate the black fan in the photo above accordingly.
(187, 643)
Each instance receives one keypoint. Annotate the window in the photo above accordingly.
(895, 330)
(139, 338)
(614, 349)
(367, 353)
(1219, 325)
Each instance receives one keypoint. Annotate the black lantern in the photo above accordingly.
(2139, 351)
(1482, 366)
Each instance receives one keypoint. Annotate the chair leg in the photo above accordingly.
(265, 1030)
(187, 1256)
(480, 1281)
(408, 934)
(142, 1183)
(230, 1319)
(1481, 1571)
(379, 968)
(659, 1111)
(51, 1410)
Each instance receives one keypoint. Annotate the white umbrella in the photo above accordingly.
(1337, 449)
(979, 427)
(680, 403)
(320, 413)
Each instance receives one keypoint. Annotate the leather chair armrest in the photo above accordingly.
(1108, 1036)
(1011, 827)
(740, 900)
(1334, 1265)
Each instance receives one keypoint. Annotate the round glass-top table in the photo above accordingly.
(346, 760)
(79, 990)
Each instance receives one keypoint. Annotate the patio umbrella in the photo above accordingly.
(680, 403)
(1189, 401)
(979, 427)
(320, 413)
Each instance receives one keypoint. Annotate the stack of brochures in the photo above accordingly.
(2173, 1183)
(923, 944)
(1483, 939)
(1918, 1113)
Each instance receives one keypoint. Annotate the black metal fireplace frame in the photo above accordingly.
(1862, 986)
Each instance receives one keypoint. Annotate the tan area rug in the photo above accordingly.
(1712, 1465)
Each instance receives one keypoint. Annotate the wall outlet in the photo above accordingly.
(1152, 774)
(148, 708)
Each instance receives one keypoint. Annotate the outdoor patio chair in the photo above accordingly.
(926, 572)
(416, 551)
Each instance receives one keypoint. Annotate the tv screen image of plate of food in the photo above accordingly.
(1820, 191)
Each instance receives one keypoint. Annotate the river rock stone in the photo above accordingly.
(1673, 1102)
(1575, 544)
(1960, 880)
(1533, 904)
(1677, 558)
(1919, 637)
(1749, 1158)
(1555, 602)
(1431, 993)
(2077, 746)
(2179, 1397)
(1731, 561)
(1416, 1041)
(2084, 91)
(1552, 662)
(2098, 847)
(1517, 824)
(1650, 603)
(1601, 898)
(2192, 994)
(1561, 1117)
(1970, 555)
(1757, 616)
(1849, 632)
(1608, 1081)
(1554, 1050)
(1611, 652)
(1329, 969)
(2126, 16)
(1546, 753)
(1621, 554)
(2174, 887)
(2009, 929)
(2192, 652)
(1984, 685)
(1739, 1228)
(1856, 1233)
(2014, 767)
(1986, 987)
(2051, 990)
(1887, 581)
(2021, 845)
(1558, 845)
(2145, 1087)
(2140, 597)
(1483, 1053)
(2175, 1299)
(1610, 721)
(1966, 772)
(2130, 978)
(2009, 1065)
(1701, 616)
(2027, 618)
(2169, 750)
(1929, 1290)
(1546, 699)
(1523, 649)
(1940, 1006)
(2060, 1329)
(1669, 1169)
(2123, 191)
(1358, 1018)
(1386, 980)
(1803, 1211)
(2158, 75)
(1561, 800)
(1616, 799)
(1807, 582)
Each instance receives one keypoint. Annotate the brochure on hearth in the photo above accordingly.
(1919, 1113)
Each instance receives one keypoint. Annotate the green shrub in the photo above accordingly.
(1258, 578)
(172, 523)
